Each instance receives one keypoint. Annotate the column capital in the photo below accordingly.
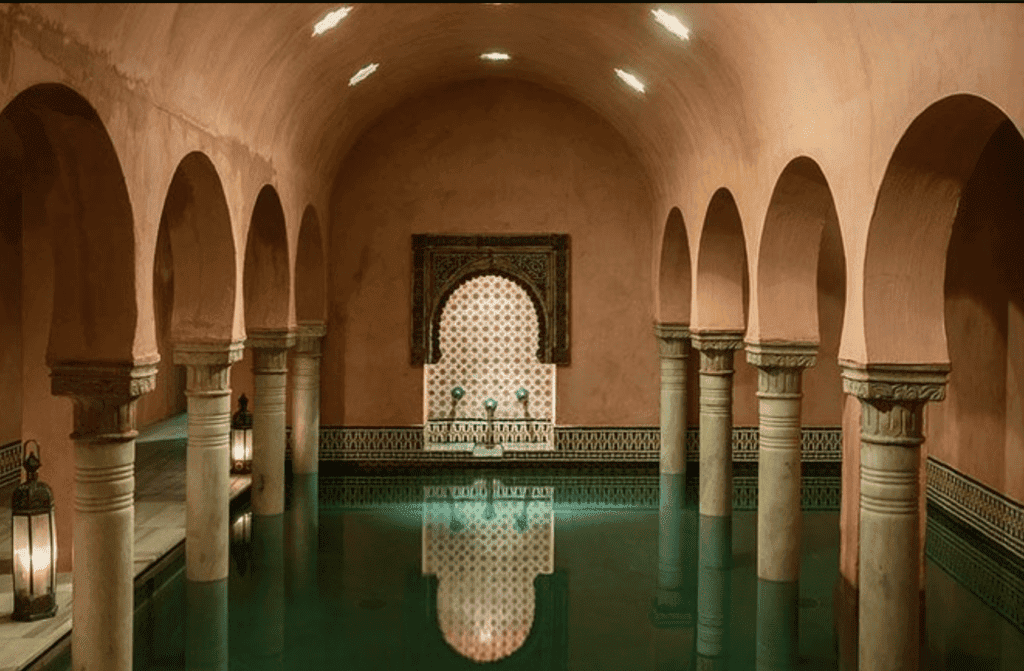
(308, 336)
(280, 339)
(907, 383)
(112, 381)
(768, 356)
(672, 339)
(716, 350)
(208, 353)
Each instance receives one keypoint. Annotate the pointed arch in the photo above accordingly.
(267, 279)
(310, 271)
(720, 291)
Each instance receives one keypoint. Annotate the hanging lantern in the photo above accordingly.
(33, 545)
(241, 438)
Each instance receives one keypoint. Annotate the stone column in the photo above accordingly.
(270, 373)
(104, 397)
(672, 346)
(716, 359)
(208, 465)
(306, 398)
(892, 401)
(779, 516)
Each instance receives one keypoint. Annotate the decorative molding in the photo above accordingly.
(716, 350)
(82, 379)
(270, 339)
(11, 458)
(308, 336)
(672, 340)
(779, 382)
(208, 353)
(782, 355)
(539, 263)
(895, 382)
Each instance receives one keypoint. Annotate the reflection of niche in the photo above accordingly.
(488, 336)
(486, 544)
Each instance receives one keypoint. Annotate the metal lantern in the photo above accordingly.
(33, 544)
(241, 437)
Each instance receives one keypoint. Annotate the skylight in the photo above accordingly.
(495, 56)
(330, 20)
(671, 23)
(363, 74)
(630, 79)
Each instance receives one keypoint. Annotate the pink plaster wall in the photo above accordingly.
(979, 428)
(494, 156)
(10, 311)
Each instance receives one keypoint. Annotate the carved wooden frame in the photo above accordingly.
(537, 262)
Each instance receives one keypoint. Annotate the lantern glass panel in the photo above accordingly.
(42, 562)
(22, 558)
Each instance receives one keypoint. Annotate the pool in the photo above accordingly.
(595, 570)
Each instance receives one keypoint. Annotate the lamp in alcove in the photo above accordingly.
(241, 438)
(33, 544)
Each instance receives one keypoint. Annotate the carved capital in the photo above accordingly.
(716, 350)
(104, 396)
(115, 381)
(271, 339)
(672, 340)
(895, 383)
(308, 337)
(208, 353)
(768, 356)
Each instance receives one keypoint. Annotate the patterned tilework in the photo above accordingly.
(993, 515)
(489, 335)
(11, 457)
(575, 443)
(991, 574)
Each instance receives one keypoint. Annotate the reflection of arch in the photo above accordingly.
(471, 274)
(310, 271)
(74, 183)
(540, 263)
(674, 272)
(721, 286)
(788, 265)
(267, 283)
(904, 264)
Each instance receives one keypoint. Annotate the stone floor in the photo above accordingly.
(159, 528)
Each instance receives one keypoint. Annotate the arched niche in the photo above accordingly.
(538, 263)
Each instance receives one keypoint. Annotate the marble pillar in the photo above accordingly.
(104, 397)
(270, 375)
(672, 346)
(779, 516)
(889, 603)
(716, 370)
(306, 398)
(208, 465)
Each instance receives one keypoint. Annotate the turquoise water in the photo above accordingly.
(518, 570)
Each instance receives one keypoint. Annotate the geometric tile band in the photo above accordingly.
(993, 515)
(11, 458)
(572, 443)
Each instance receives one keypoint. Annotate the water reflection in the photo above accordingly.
(262, 632)
(486, 543)
(714, 593)
(206, 634)
(777, 608)
(675, 602)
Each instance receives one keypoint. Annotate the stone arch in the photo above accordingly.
(721, 291)
(674, 272)
(310, 271)
(789, 263)
(203, 251)
(267, 279)
(74, 186)
(472, 272)
(905, 258)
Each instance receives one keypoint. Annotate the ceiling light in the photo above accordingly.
(330, 20)
(631, 80)
(674, 25)
(495, 56)
(363, 74)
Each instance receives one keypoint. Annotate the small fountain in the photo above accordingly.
(489, 448)
(457, 394)
(523, 397)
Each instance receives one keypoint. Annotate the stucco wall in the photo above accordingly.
(492, 156)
